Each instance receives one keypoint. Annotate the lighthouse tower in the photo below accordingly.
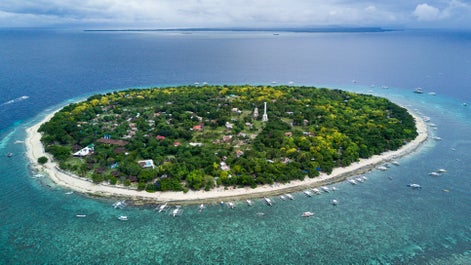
(265, 116)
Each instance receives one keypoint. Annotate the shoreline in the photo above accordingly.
(35, 149)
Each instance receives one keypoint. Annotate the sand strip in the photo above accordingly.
(35, 150)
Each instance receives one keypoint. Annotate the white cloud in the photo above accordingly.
(227, 13)
(425, 12)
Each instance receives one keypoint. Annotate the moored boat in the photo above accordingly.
(335, 202)
(289, 196)
(162, 207)
(352, 181)
(123, 218)
(268, 201)
(307, 193)
(307, 214)
(119, 204)
(249, 202)
(414, 186)
(81, 215)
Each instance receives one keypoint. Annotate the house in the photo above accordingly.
(149, 163)
(229, 125)
(176, 144)
(288, 134)
(239, 153)
(160, 137)
(198, 127)
(224, 166)
(112, 142)
(196, 144)
(84, 151)
(227, 138)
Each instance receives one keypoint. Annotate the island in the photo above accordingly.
(198, 143)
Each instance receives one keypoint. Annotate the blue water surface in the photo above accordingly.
(381, 221)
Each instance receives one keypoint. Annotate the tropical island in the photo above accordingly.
(200, 138)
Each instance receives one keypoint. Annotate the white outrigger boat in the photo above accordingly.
(119, 204)
(316, 190)
(289, 196)
(307, 193)
(414, 186)
(123, 218)
(201, 207)
(283, 197)
(307, 214)
(325, 189)
(231, 205)
(268, 201)
(176, 211)
(162, 207)
(249, 202)
(352, 181)
(335, 202)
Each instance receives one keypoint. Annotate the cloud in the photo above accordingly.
(425, 12)
(227, 13)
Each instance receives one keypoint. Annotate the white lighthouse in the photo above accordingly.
(265, 116)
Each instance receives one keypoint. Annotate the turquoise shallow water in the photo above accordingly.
(378, 222)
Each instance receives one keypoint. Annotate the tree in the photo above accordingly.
(42, 160)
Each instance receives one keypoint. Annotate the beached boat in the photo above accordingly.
(307, 193)
(268, 201)
(249, 202)
(119, 204)
(307, 214)
(289, 196)
(123, 218)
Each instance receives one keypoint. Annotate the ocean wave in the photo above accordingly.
(15, 100)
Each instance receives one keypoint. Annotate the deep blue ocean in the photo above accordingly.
(381, 221)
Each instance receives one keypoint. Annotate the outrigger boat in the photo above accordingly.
(162, 207)
(119, 204)
(123, 218)
(289, 196)
(307, 214)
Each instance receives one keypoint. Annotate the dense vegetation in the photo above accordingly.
(197, 137)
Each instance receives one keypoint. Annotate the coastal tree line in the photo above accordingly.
(199, 137)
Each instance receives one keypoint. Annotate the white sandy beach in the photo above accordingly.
(35, 150)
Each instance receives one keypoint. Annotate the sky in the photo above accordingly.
(151, 14)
